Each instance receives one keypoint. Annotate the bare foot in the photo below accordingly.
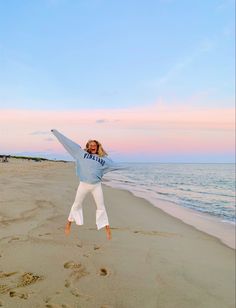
(67, 227)
(108, 232)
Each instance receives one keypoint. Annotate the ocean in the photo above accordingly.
(208, 189)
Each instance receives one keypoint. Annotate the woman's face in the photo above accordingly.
(93, 147)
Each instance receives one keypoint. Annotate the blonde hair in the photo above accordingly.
(100, 151)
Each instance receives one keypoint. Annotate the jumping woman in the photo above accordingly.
(91, 164)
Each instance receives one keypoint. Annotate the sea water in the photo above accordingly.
(203, 188)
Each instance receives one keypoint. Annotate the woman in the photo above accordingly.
(91, 164)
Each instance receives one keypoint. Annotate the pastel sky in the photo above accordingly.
(152, 80)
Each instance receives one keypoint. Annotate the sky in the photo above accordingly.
(153, 80)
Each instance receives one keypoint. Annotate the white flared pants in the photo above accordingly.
(76, 212)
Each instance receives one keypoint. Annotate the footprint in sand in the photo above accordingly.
(52, 305)
(96, 247)
(76, 293)
(86, 255)
(103, 272)
(72, 264)
(78, 273)
(11, 239)
(157, 233)
(3, 275)
(47, 299)
(17, 294)
(27, 279)
(15, 238)
(78, 270)
(67, 283)
(48, 233)
(4, 288)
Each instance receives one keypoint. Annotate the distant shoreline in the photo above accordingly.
(37, 159)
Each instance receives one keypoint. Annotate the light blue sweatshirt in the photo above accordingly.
(89, 167)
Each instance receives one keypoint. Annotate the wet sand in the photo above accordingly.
(153, 260)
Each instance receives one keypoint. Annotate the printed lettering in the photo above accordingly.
(98, 159)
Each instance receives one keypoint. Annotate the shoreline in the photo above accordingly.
(213, 226)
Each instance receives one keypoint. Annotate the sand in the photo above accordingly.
(153, 260)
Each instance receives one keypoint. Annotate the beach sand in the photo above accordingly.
(153, 260)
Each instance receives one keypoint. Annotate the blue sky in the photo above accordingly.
(153, 80)
(57, 54)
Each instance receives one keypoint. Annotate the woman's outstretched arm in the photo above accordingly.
(113, 166)
(73, 148)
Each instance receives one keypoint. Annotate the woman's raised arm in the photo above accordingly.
(73, 148)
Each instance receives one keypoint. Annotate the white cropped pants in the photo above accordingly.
(76, 212)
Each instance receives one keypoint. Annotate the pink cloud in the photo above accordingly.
(157, 128)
